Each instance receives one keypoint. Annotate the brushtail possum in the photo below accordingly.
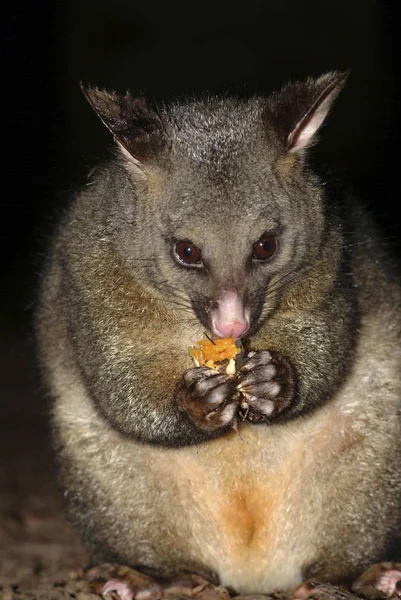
(209, 219)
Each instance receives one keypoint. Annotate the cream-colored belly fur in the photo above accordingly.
(243, 503)
(248, 506)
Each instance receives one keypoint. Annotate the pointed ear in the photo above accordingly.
(138, 129)
(300, 108)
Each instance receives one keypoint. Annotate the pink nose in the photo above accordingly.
(234, 329)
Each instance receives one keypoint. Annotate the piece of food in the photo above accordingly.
(216, 354)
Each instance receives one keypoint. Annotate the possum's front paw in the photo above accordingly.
(267, 385)
(208, 397)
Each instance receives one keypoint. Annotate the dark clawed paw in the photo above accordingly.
(267, 385)
(209, 397)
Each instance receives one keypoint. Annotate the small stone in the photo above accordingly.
(7, 593)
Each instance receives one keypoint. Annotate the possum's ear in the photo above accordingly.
(299, 109)
(138, 129)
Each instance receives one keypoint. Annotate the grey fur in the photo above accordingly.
(150, 477)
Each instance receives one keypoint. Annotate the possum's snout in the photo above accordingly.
(229, 317)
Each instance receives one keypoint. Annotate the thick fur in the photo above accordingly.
(313, 492)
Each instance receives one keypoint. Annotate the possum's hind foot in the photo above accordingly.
(186, 587)
(317, 590)
(117, 582)
(122, 589)
(381, 580)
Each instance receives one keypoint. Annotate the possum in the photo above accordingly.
(208, 217)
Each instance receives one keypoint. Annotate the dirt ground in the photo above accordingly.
(39, 551)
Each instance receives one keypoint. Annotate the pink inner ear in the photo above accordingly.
(302, 134)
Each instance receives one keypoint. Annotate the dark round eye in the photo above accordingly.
(187, 254)
(265, 247)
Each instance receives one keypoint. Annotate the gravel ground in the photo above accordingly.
(38, 547)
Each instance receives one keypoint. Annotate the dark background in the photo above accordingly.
(50, 138)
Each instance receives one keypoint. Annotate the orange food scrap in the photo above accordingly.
(207, 352)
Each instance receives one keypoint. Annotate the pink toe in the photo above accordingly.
(387, 582)
(120, 587)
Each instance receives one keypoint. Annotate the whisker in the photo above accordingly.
(370, 241)
(188, 321)
(142, 261)
(178, 300)
(282, 281)
(177, 303)
(165, 286)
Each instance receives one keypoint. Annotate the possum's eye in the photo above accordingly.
(265, 247)
(187, 254)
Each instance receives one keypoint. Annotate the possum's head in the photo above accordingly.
(225, 212)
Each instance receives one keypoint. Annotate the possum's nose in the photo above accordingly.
(234, 329)
(229, 318)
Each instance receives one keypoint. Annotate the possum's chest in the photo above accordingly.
(247, 508)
